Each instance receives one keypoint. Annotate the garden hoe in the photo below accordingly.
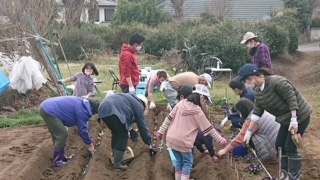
(92, 156)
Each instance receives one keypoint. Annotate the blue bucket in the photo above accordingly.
(141, 88)
(240, 151)
(4, 82)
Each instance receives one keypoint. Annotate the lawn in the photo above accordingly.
(103, 63)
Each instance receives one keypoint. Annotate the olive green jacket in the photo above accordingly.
(279, 97)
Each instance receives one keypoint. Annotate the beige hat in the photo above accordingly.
(247, 36)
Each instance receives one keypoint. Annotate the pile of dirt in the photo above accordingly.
(11, 99)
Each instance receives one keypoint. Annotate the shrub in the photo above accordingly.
(161, 40)
(292, 26)
(315, 23)
(275, 36)
(74, 39)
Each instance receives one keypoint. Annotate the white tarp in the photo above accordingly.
(26, 74)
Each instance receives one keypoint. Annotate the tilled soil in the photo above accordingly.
(26, 152)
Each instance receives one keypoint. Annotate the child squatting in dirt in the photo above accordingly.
(185, 120)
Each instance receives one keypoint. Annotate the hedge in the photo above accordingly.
(210, 35)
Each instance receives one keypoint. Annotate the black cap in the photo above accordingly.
(247, 70)
(94, 105)
(184, 90)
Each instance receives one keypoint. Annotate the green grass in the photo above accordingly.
(22, 118)
(103, 63)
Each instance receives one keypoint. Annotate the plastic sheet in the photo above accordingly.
(26, 74)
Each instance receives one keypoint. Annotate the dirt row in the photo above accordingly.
(26, 153)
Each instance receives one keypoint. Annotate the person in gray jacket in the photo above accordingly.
(119, 112)
(264, 133)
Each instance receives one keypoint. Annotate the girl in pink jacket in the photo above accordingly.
(183, 124)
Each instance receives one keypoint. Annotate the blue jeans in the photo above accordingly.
(184, 162)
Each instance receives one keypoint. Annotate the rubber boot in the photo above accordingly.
(58, 154)
(177, 176)
(65, 157)
(118, 156)
(294, 167)
(284, 168)
(185, 177)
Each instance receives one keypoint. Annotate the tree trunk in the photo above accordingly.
(178, 8)
(92, 10)
(73, 10)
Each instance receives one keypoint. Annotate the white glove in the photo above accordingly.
(85, 97)
(224, 121)
(163, 85)
(152, 105)
(247, 137)
(131, 90)
(169, 107)
(293, 124)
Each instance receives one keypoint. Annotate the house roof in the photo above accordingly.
(100, 2)
(250, 10)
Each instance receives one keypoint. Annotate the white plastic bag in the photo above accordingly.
(26, 75)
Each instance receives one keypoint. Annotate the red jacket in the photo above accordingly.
(128, 65)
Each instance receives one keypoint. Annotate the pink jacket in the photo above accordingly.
(153, 82)
(183, 124)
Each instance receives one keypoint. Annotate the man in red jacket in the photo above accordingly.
(128, 65)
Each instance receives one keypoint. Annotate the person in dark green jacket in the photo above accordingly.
(279, 97)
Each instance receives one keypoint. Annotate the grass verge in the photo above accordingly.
(22, 118)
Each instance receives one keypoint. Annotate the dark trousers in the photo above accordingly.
(285, 141)
(207, 141)
(125, 88)
(119, 140)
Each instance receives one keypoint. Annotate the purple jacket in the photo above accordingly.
(262, 57)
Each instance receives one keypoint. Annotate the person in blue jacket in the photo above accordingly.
(239, 89)
(68, 111)
(119, 112)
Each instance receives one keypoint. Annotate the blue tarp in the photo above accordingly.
(4, 82)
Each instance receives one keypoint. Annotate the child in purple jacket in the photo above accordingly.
(84, 84)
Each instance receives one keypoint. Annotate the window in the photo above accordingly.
(108, 13)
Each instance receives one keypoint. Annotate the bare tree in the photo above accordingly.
(72, 12)
(314, 4)
(221, 8)
(178, 8)
(92, 9)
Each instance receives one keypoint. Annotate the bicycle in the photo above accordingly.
(208, 63)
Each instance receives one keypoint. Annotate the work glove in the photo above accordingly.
(215, 159)
(247, 136)
(224, 122)
(152, 151)
(293, 124)
(60, 81)
(85, 97)
(159, 135)
(222, 152)
(169, 108)
(223, 142)
(152, 105)
(91, 149)
(131, 90)
(134, 135)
